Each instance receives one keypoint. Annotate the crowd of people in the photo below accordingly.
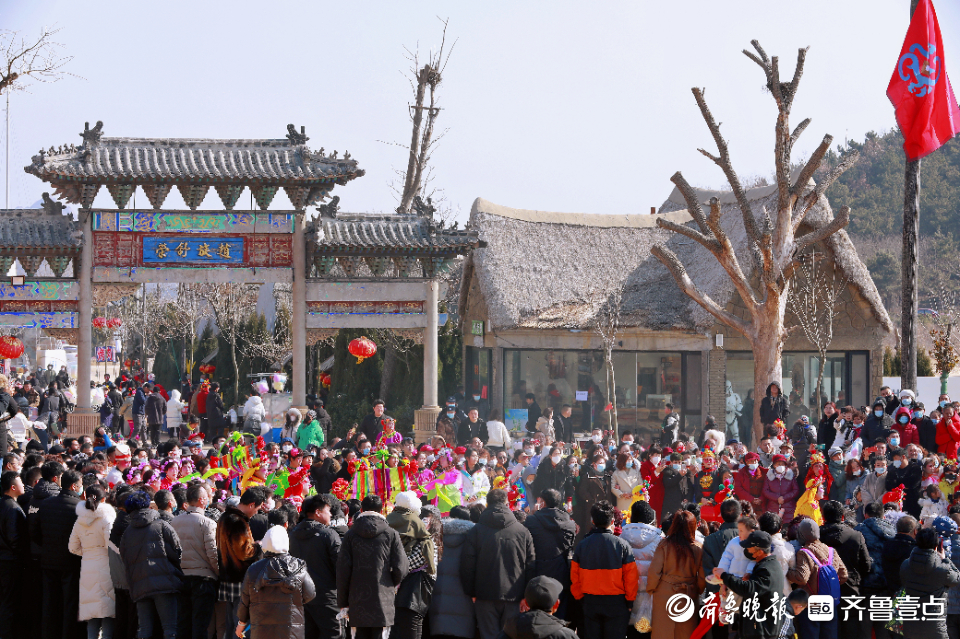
(152, 527)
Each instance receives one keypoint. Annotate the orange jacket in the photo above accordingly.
(603, 564)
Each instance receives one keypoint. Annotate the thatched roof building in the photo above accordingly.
(540, 279)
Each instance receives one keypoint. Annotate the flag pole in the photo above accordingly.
(910, 259)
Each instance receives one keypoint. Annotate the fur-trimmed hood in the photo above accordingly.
(772, 476)
(104, 512)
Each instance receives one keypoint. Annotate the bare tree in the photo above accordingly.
(424, 80)
(231, 305)
(774, 245)
(607, 324)
(34, 58)
(182, 318)
(813, 301)
(142, 316)
(277, 345)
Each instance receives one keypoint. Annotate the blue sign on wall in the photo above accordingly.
(172, 249)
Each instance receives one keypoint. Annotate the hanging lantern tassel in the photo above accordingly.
(362, 348)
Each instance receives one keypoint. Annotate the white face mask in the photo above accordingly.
(431, 458)
(752, 466)
(595, 439)
(528, 452)
(287, 448)
(655, 460)
(780, 469)
(555, 459)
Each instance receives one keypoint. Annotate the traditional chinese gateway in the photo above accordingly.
(346, 270)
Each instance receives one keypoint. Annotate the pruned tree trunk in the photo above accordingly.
(389, 366)
(236, 368)
(772, 240)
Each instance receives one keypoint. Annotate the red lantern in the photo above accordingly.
(127, 363)
(99, 322)
(362, 348)
(325, 380)
(114, 322)
(10, 347)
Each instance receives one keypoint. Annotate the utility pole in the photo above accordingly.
(911, 260)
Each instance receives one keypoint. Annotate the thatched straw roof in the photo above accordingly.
(553, 270)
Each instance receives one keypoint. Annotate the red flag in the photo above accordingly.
(926, 108)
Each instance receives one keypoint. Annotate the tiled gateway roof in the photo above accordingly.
(361, 234)
(154, 162)
(28, 230)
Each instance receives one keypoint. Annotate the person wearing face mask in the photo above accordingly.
(948, 432)
(780, 489)
(650, 469)
(877, 423)
(677, 483)
(874, 483)
(552, 473)
(909, 474)
(478, 402)
(749, 479)
(625, 478)
(905, 428)
(591, 490)
(926, 428)
(907, 398)
(837, 469)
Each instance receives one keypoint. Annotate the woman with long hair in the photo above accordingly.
(89, 539)
(677, 569)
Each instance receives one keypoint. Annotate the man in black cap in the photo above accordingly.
(764, 585)
(541, 598)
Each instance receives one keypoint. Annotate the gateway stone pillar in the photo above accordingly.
(299, 314)
(426, 417)
(85, 315)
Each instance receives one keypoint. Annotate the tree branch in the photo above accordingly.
(690, 197)
(725, 164)
(811, 166)
(798, 131)
(848, 160)
(706, 241)
(679, 273)
(728, 257)
(818, 235)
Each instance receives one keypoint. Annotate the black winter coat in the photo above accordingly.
(371, 427)
(895, 552)
(927, 432)
(322, 475)
(499, 558)
(774, 408)
(155, 409)
(563, 427)
(51, 529)
(550, 476)
(467, 430)
(926, 574)
(318, 546)
(766, 584)
(274, 592)
(875, 427)
(215, 410)
(42, 491)
(852, 548)
(451, 610)
(910, 476)
(536, 624)
(8, 408)
(826, 431)
(534, 412)
(370, 566)
(876, 532)
(553, 533)
(14, 539)
(150, 551)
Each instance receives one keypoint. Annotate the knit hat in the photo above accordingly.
(276, 540)
(408, 500)
(751, 456)
(808, 531)
(944, 526)
(779, 458)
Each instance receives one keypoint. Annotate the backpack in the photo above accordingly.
(828, 583)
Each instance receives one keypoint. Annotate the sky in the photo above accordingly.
(556, 106)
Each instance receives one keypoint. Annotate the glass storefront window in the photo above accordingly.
(645, 382)
(799, 382)
(479, 377)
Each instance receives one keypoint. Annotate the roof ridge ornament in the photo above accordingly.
(51, 206)
(330, 209)
(91, 137)
(424, 209)
(297, 138)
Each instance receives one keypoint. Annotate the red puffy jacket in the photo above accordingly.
(948, 436)
(908, 432)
